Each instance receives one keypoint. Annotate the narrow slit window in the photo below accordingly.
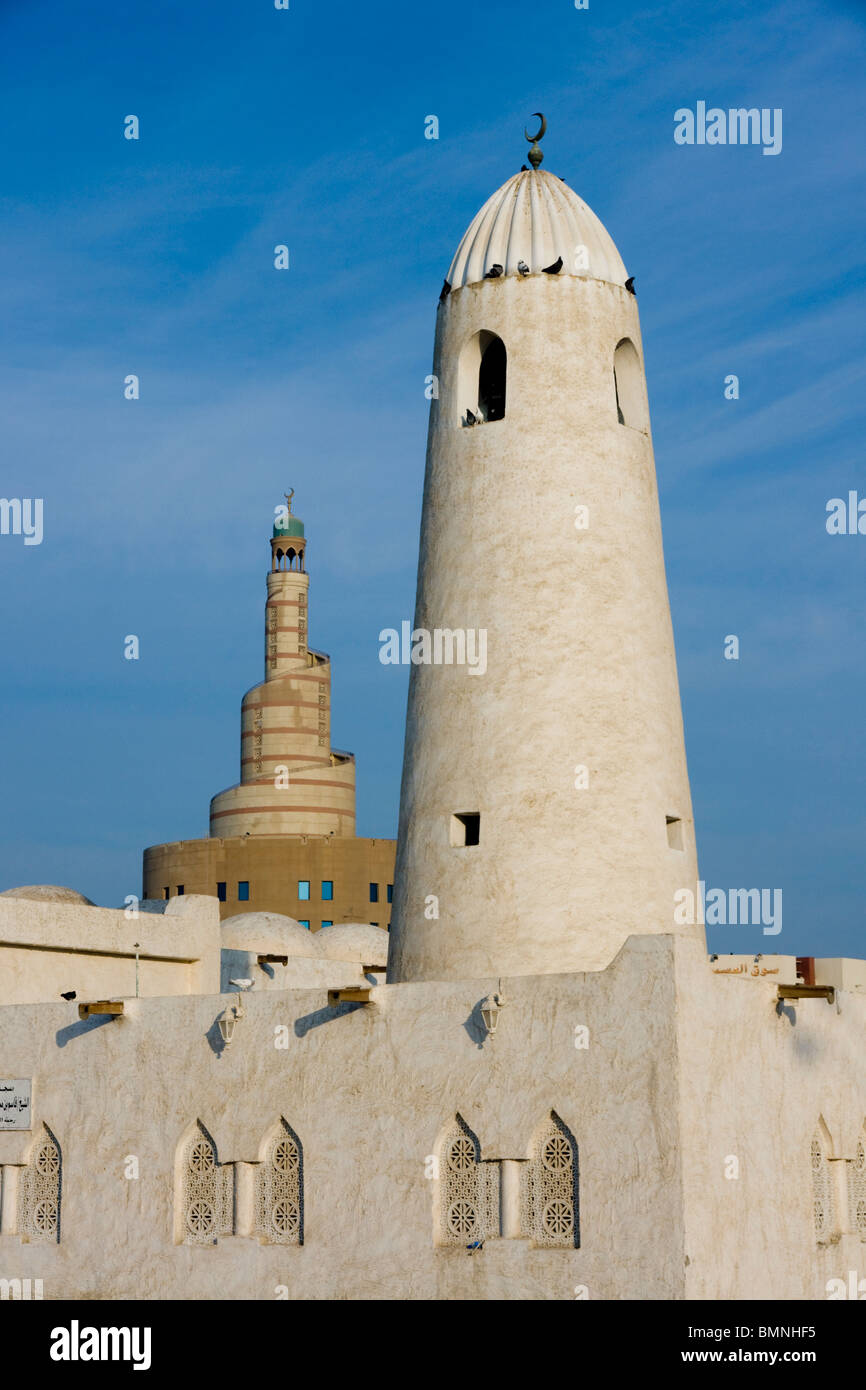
(675, 832)
(221, 892)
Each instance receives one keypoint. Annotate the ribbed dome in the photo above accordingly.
(536, 218)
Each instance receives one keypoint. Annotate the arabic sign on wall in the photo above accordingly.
(15, 1104)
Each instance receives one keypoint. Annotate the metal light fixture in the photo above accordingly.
(490, 1010)
(228, 1020)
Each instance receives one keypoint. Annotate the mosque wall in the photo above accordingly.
(759, 1080)
(369, 1093)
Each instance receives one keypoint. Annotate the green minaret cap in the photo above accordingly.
(288, 525)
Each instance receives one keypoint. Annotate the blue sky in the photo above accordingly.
(306, 127)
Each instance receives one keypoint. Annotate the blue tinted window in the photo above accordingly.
(243, 892)
(303, 889)
(327, 890)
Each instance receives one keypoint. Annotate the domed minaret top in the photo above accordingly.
(286, 524)
(288, 528)
(530, 223)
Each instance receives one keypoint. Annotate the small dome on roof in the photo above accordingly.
(288, 526)
(536, 218)
(48, 893)
(354, 941)
(266, 933)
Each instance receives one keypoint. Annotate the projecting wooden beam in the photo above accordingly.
(807, 992)
(102, 1006)
(349, 996)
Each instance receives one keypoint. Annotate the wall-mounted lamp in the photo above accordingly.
(491, 1008)
(228, 1020)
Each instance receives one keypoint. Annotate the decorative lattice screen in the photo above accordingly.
(39, 1192)
(280, 1190)
(548, 1188)
(207, 1196)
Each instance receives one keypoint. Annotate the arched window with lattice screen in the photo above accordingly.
(40, 1189)
(206, 1190)
(467, 1198)
(549, 1187)
(857, 1188)
(280, 1188)
(823, 1194)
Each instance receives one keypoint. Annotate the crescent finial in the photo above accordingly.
(535, 153)
(288, 496)
(542, 132)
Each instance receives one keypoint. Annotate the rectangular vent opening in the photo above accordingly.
(465, 829)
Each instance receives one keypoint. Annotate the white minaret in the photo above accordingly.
(565, 758)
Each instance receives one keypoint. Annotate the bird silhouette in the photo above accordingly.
(70, 994)
(494, 272)
(555, 268)
(629, 284)
(523, 267)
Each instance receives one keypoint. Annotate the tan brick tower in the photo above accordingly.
(283, 839)
(292, 781)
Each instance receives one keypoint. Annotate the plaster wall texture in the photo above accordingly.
(755, 1077)
(581, 667)
(48, 947)
(296, 974)
(334, 958)
(368, 1089)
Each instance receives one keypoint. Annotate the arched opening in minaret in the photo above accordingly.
(628, 385)
(491, 378)
(290, 556)
(481, 379)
